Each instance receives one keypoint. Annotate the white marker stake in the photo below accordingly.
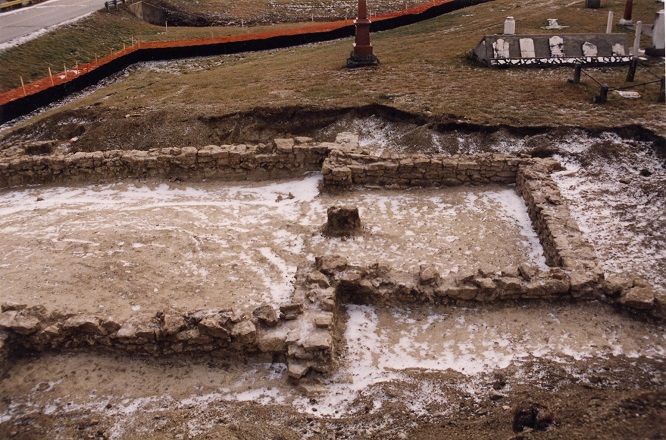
(609, 24)
(637, 38)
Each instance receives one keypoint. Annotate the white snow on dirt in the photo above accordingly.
(126, 247)
(381, 345)
(616, 191)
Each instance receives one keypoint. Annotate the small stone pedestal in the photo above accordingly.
(342, 222)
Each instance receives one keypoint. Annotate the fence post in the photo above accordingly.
(603, 95)
(632, 70)
(662, 98)
(577, 71)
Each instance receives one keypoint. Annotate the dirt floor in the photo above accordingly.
(579, 370)
(125, 247)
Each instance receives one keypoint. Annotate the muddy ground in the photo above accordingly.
(582, 370)
(586, 369)
(120, 248)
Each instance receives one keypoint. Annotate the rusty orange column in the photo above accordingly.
(362, 54)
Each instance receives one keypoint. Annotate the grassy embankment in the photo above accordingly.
(91, 37)
(424, 70)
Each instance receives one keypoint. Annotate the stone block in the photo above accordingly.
(138, 327)
(297, 370)
(331, 264)
(428, 276)
(342, 221)
(213, 326)
(266, 315)
(324, 320)
(10, 305)
(638, 297)
(291, 311)
(172, 323)
(245, 332)
(463, 292)
(317, 339)
(347, 140)
(615, 284)
(84, 323)
(271, 342)
(18, 322)
(318, 278)
(284, 145)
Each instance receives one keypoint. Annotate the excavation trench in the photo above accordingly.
(185, 258)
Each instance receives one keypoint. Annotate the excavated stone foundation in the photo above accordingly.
(303, 331)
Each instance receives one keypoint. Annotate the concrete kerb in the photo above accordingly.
(303, 332)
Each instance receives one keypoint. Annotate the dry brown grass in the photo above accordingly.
(96, 35)
(284, 10)
(424, 70)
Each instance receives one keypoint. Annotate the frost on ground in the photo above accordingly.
(121, 248)
(614, 186)
(616, 190)
(384, 349)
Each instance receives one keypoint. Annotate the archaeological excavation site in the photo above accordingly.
(276, 244)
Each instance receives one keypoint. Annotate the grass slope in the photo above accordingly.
(424, 70)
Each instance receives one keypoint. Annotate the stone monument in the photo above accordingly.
(362, 54)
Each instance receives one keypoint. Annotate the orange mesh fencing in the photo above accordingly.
(69, 75)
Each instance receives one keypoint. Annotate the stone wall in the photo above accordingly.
(284, 158)
(574, 272)
(299, 333)
(303, 332)
(345, 169)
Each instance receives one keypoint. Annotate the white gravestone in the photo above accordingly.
(589, 50)
(658, 31)
(618, 50)
(509, 26)
(501, 48)
(556, 46)
(527, 48)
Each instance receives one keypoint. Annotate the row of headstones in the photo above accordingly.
(501, 48)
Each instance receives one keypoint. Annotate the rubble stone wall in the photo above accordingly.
(345, 169)
(303, 332)
(299, 333)
(283, 158)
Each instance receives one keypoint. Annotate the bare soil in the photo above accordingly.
(615, 391)
(408, 373)
(125, 247)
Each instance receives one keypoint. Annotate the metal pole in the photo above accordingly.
(627, 10)
(662, 98)
(632, 70)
